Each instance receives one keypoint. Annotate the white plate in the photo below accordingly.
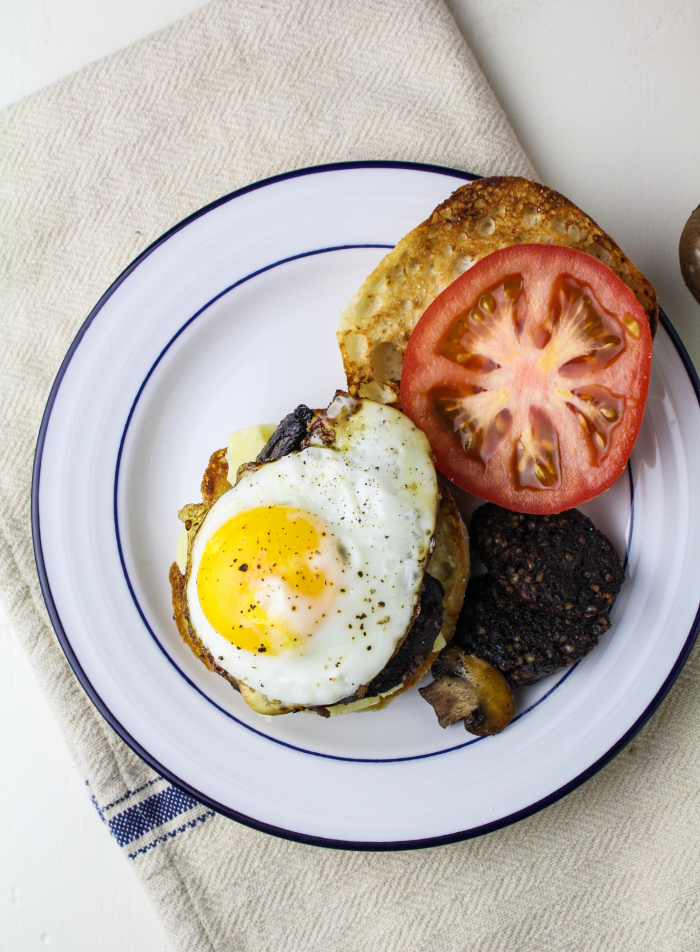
(230, 320)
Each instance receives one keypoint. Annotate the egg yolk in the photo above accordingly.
(264, 581)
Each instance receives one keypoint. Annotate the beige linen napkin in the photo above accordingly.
(91, 171)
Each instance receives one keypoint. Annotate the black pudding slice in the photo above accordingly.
(525, 645)
(558, 563)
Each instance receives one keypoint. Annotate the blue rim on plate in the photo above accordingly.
(144, 754)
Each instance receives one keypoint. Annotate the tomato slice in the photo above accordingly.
(529, 376)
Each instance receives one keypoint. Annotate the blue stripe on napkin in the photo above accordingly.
(169, 835)
(151, 813)
(132, 824)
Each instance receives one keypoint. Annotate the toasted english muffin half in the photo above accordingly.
(479, 218)
(448, 563)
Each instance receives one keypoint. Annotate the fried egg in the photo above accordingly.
(304, 578)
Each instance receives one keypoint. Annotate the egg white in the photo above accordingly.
(375, 488)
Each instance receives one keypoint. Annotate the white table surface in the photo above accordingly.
(604, 95)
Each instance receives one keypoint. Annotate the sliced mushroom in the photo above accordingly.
(689, 254)
(469, 689)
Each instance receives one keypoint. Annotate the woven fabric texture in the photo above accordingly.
(92, 170)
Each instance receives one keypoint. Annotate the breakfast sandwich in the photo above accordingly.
(479, 218)
(327, 573)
